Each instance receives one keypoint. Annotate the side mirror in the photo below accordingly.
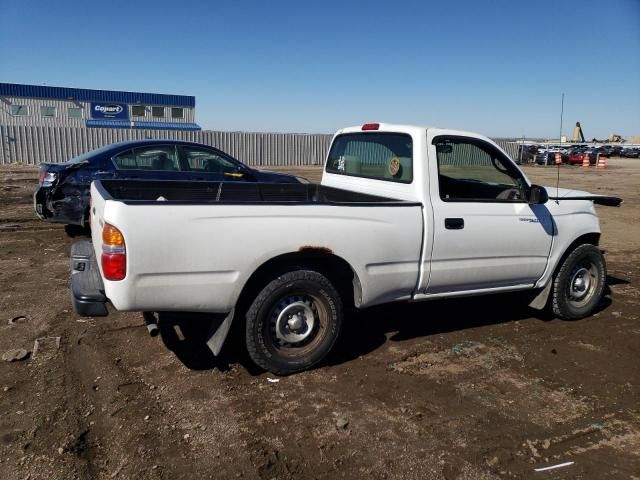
(538, 195)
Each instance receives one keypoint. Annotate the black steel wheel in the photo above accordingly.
(294, 322)
(579, 284)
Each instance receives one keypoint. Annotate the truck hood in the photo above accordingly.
(565, 192)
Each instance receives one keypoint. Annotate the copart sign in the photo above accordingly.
(110, 110)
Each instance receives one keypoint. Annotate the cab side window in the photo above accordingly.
(157, 158)
(472, 170)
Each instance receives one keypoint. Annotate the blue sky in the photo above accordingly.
(497, 67)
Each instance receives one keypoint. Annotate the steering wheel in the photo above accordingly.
(501, 168)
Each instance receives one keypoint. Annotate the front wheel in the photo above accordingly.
(294, 322)
(579, 284)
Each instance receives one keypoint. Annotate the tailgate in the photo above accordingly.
(96, 218)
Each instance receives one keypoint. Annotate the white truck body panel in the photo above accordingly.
(571, 219)
(201, 259)
(501, 245)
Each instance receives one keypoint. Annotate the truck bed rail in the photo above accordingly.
(175, 191)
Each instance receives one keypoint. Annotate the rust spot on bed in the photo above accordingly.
(312, 248)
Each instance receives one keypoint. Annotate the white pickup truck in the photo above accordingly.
(403, 213)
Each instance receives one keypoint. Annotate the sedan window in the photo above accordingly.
(159, 157)
(204, 160)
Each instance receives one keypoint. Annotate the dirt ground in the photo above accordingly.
(475, 389)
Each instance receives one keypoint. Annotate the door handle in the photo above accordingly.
(454, 223)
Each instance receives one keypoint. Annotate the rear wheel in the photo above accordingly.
(294, 322)
(77, 230)
(579, 284)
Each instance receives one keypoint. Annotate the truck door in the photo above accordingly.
(485, 235)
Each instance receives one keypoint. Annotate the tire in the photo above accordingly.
(294, 322)
(73, 231)
(579, 284)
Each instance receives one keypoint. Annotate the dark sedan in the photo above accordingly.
(62, 195)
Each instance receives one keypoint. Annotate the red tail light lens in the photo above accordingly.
(371, 126)
(114, 253)
(114, 266)
(46, 179)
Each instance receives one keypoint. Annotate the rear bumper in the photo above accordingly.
(87, 289)
(68, 209)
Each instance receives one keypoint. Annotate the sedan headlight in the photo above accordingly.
(302, 180)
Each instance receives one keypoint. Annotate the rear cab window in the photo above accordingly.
(381, 156)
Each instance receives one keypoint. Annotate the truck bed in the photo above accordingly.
(176, 191)
(192, 246)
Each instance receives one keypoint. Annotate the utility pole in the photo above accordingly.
(561, 113)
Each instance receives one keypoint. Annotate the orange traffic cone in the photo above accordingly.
(602, 162)
(585, 162)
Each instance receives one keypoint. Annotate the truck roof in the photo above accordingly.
(404, 128)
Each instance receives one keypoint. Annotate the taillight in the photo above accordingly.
(114, 253)
(46, 179)
(371, 126)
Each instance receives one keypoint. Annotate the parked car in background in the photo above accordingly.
(545, 157)
(527, 153)
(615, 151)
(577, 157)
(607, 150)
(632, 152)
(548, 157)
(62, 195)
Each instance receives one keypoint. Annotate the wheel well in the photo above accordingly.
(335, 268)
(592, 238)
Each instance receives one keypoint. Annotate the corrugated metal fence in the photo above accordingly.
(32, 145)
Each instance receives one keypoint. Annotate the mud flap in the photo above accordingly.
(540, 301)
(218, 334)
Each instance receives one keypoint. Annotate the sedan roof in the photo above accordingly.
(114, 148)
(138, 143)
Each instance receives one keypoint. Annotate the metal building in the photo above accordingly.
(43, 106)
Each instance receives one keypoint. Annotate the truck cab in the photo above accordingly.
(486, 226)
